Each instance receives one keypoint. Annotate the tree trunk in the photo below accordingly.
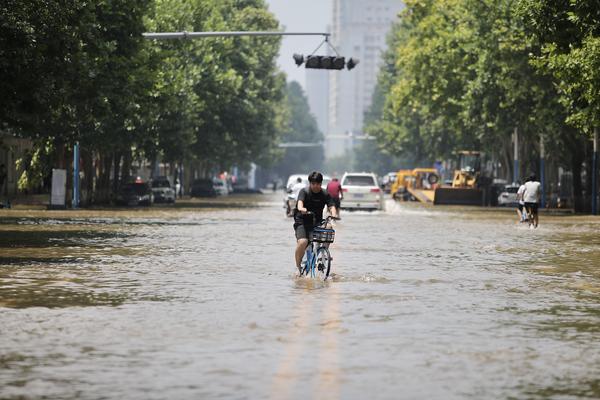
(117, 163)
(89, 175)
(103, 163)
(126, 166)
(576, 160)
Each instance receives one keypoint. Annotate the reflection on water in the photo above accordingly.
(200, 301)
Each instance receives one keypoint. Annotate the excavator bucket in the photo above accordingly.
(458, 196)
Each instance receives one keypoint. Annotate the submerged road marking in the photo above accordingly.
(287, 373)
(329, 369)
(325, 374)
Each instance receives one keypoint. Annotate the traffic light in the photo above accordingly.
(324, 62)
(298, 59)
(352, 62)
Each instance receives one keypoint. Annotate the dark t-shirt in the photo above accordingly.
(314, 202)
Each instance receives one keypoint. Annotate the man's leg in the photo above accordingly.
(300, 249)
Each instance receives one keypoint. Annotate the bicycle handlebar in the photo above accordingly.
(324, 221)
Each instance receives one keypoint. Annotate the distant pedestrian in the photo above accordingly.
(334, 188)
(292, 196)
(521, 204)
(177, 188)
(531, 197)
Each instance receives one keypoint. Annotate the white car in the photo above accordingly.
(361, 191)
(509, 196)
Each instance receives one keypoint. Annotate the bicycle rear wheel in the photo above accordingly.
(323, 263)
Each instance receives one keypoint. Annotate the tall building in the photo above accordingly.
(359, 30)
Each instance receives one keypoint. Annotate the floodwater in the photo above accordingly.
(202, 303)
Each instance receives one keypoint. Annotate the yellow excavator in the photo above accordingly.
(464, 189)
(415, 184)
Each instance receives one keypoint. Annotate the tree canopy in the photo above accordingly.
(82, 71)
(465, 74)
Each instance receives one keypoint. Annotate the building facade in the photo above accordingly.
(359, 30)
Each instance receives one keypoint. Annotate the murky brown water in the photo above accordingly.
(189, 303)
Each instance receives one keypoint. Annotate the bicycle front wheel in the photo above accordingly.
(322, 263)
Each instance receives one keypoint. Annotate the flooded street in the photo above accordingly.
(202, 302)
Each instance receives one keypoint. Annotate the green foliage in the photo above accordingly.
(569, 34)
(463, 74)
(82, 71)
(220, 93)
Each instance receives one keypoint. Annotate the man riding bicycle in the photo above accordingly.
(312, 199)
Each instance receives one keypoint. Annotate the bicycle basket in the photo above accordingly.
(323, 235)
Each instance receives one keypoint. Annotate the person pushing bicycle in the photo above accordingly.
(312, 199)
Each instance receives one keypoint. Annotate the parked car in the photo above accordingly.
(137, 193)
(361, 191)
(162, 190)
(221, 187)
(203, 188)
(508, 197)
(388, 180)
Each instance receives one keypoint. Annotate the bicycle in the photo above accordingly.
(531, 218)
(317, 259)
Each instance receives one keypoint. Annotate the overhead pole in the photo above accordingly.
(192, 35)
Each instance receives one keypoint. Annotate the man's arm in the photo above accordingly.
(300, 206)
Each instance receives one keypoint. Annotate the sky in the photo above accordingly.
(300, 16)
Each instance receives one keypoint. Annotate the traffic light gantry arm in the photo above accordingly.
(191, 35)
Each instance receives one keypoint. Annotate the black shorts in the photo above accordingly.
(302, 232)
(520, 207)
(532, 206)
(336, 202)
